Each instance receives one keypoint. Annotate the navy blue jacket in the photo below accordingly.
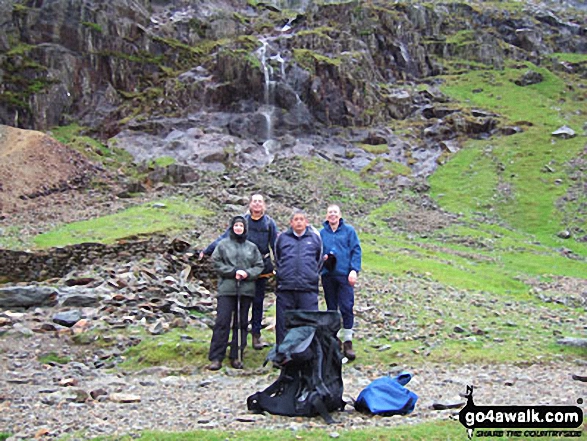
(345, 245)
(298, 261)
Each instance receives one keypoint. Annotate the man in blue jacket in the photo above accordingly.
(298, 258)
(342, 263)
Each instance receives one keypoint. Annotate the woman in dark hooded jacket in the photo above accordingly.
(238, 263)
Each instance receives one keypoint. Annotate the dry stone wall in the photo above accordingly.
(28, 266)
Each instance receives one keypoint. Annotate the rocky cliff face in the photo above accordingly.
(222, 82)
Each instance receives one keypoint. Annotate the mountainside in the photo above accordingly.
(218, 83)
(451, 133)
(491, 90)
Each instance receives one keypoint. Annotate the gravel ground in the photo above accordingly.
(80, 401)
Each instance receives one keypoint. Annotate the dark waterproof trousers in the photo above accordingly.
(288, 301)
(225, 320)
(257, 314)
(340, 296)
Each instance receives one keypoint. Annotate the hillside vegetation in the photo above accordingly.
(485, 234)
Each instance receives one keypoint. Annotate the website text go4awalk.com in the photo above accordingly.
(521, 421)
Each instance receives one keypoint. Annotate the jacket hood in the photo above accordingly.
(238, 237)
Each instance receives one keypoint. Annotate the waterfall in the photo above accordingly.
(273, 64)
(271, 77)
(268, 112)
(404, 51)
(408, 62)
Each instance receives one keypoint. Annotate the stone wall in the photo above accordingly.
(25, 266)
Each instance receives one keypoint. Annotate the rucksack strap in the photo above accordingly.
(319, 406)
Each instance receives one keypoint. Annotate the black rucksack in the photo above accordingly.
(310, 382)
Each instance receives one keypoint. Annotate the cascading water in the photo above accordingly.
(273, 63)
(268, 107)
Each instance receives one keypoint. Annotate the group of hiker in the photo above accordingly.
(302, 256)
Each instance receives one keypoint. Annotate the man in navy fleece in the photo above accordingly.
(298, 258)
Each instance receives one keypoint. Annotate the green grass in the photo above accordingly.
(53, 358)
(571, 58)
(375, 149)
(114, 158)
(163, 161)
(423, 321)
(479, 257)
(440, 430)
(180, 348)
(165, 216)
(518, 178)
(176, 348)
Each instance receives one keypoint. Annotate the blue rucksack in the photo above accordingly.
(387, 396)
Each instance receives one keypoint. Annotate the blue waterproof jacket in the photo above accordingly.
(345, 245)
(298, 260)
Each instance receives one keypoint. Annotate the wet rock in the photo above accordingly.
(124, 398)
(26, 296)
(67, 318)
(573, 341)
(564, 132)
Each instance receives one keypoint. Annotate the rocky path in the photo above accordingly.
(76, 399)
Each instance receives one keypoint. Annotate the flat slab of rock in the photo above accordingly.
(124, 398)
(26, 296)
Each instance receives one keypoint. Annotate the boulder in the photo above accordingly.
(27, 296)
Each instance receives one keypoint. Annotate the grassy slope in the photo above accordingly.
(530, 164)
(166, 216)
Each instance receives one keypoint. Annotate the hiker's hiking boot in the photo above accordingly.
(347, 348)
(236, 364)
(257, 343)
(215, 365)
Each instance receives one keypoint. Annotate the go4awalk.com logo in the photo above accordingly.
(521, 421)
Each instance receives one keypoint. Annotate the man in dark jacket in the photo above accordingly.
(262, 231)
(298, 256)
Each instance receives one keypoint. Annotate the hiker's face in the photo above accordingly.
(298, 223)
(257, 205)
(333, 215)
(238, 228)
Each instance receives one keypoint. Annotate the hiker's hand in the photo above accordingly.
(201, 255)
(353, 278)
(241, 275)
